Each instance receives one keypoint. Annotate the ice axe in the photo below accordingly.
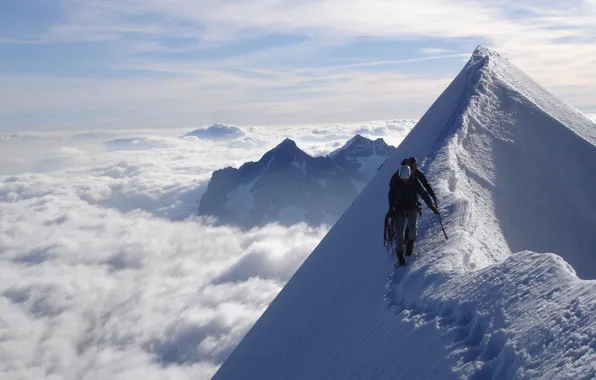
(441, 221)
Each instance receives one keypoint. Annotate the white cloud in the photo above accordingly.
(327, 95)
(217, 132)
(106, 287)
(111, 19)
(214, 20)
(434, 51)
(104, 275)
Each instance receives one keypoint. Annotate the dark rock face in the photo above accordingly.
(289, 186)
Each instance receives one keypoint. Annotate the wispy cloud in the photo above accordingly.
(398, 61)
(434, 51)
(372, 18)
(207, 96)
(270, 61)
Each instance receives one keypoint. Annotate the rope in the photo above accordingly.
(389, 234)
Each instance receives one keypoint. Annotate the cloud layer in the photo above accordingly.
(105, 273)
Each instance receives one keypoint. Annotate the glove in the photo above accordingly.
(435, 210)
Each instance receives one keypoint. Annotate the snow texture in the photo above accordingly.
(510, 295)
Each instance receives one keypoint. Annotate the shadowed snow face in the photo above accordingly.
(106, 273)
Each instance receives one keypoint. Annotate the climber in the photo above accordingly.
(413, 164)
(404, 189)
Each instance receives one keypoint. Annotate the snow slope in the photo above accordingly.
(513, 168)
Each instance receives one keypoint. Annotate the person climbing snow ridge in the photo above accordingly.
(412, 162)
(404, 189)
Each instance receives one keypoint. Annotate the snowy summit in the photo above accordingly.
(507, 296)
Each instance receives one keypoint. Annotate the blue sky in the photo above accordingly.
(90, 64)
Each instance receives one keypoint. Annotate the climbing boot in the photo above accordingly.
(401, 260)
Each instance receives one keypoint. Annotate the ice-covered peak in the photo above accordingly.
(483, 56)
(512, 166)
(483, 51)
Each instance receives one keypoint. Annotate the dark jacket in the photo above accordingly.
(404, 196)
(422, 178)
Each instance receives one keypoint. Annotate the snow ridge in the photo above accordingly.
(490, 341)
(513, 169)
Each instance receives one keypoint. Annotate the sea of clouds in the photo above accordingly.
(107, 272)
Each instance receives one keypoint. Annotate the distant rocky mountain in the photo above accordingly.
(289, 186)
(361, 157)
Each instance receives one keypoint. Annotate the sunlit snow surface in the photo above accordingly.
(104, 271)
(513, 168)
